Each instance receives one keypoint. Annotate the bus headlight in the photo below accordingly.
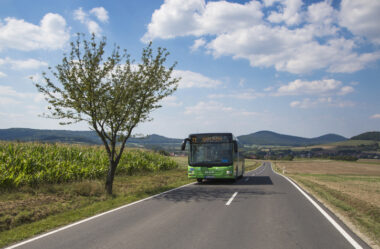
(228, 172)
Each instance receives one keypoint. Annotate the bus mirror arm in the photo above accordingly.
(183, 146)
(235, 146)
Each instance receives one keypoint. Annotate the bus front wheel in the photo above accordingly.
(199, 180)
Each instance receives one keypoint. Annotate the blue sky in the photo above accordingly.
(303, 68)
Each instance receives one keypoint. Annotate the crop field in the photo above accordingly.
(43, 186)
(351, 189)
(33, 163)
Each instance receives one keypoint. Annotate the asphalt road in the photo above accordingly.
(261, 210)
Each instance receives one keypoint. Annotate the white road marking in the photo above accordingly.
(325, 214)
(261, 171)
(231, 199)
(91, 218)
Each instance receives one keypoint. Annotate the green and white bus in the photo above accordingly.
(214, 156)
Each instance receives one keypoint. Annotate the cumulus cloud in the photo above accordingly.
(52, 33)
(191, 79)
(375, 116)
(83, 17)
(361, 18)
(213, 110)
(195, 17)
(22, 64)
(243, 95)
(320, 102)
(291, 38)
(171, 101)
(345, 90)
(316, 87)
(7, 93)
(2, 75)
(100, 13)
(197, 44)
(288, 12)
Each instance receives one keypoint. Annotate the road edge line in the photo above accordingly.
(91, 218)
(324, 213)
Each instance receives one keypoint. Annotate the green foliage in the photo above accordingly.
(373, 135)
(34, 163)
(113, 94)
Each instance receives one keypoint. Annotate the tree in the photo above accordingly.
(113, 94)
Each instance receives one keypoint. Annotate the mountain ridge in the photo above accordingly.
(90, 137)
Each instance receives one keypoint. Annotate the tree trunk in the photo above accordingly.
(110, 177)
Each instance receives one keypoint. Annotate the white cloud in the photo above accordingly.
(191, 79)
(345, 90)
(243, 95)
(316, 87)
(361, 18)
(314, 42)
(202, 108)
(10, 95)
(320, 102)
(52, 33)
(92, 26)
(23, 64)
(214, 111)
(195, 17)
(375, 116)
(197, 44)
(2, 75)
(293, 51)
(288, 12)
(100, 13)
(322, 19)
(171, 101)
(80, 15)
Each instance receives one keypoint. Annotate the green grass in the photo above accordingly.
(79, 200)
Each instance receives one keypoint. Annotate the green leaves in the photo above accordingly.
(112, 94)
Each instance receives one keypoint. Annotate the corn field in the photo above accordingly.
(36, 163)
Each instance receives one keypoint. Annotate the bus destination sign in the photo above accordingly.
(211, 139)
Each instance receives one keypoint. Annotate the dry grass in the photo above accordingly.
(330, 167)
(351, 189)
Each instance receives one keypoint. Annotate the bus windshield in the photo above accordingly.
(211, 154)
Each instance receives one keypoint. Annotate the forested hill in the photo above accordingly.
(372, 135)
(66, 136)
(272, 138)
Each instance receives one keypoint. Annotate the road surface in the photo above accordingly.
(261, 210)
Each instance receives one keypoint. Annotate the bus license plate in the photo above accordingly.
(209, 176)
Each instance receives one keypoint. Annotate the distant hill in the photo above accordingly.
(272, 138)
(66, 136)
(372, 135)
(90, 137)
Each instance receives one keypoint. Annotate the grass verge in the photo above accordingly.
(350, 190)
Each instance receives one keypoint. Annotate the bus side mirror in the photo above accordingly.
(183, 146)
(235, 146)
